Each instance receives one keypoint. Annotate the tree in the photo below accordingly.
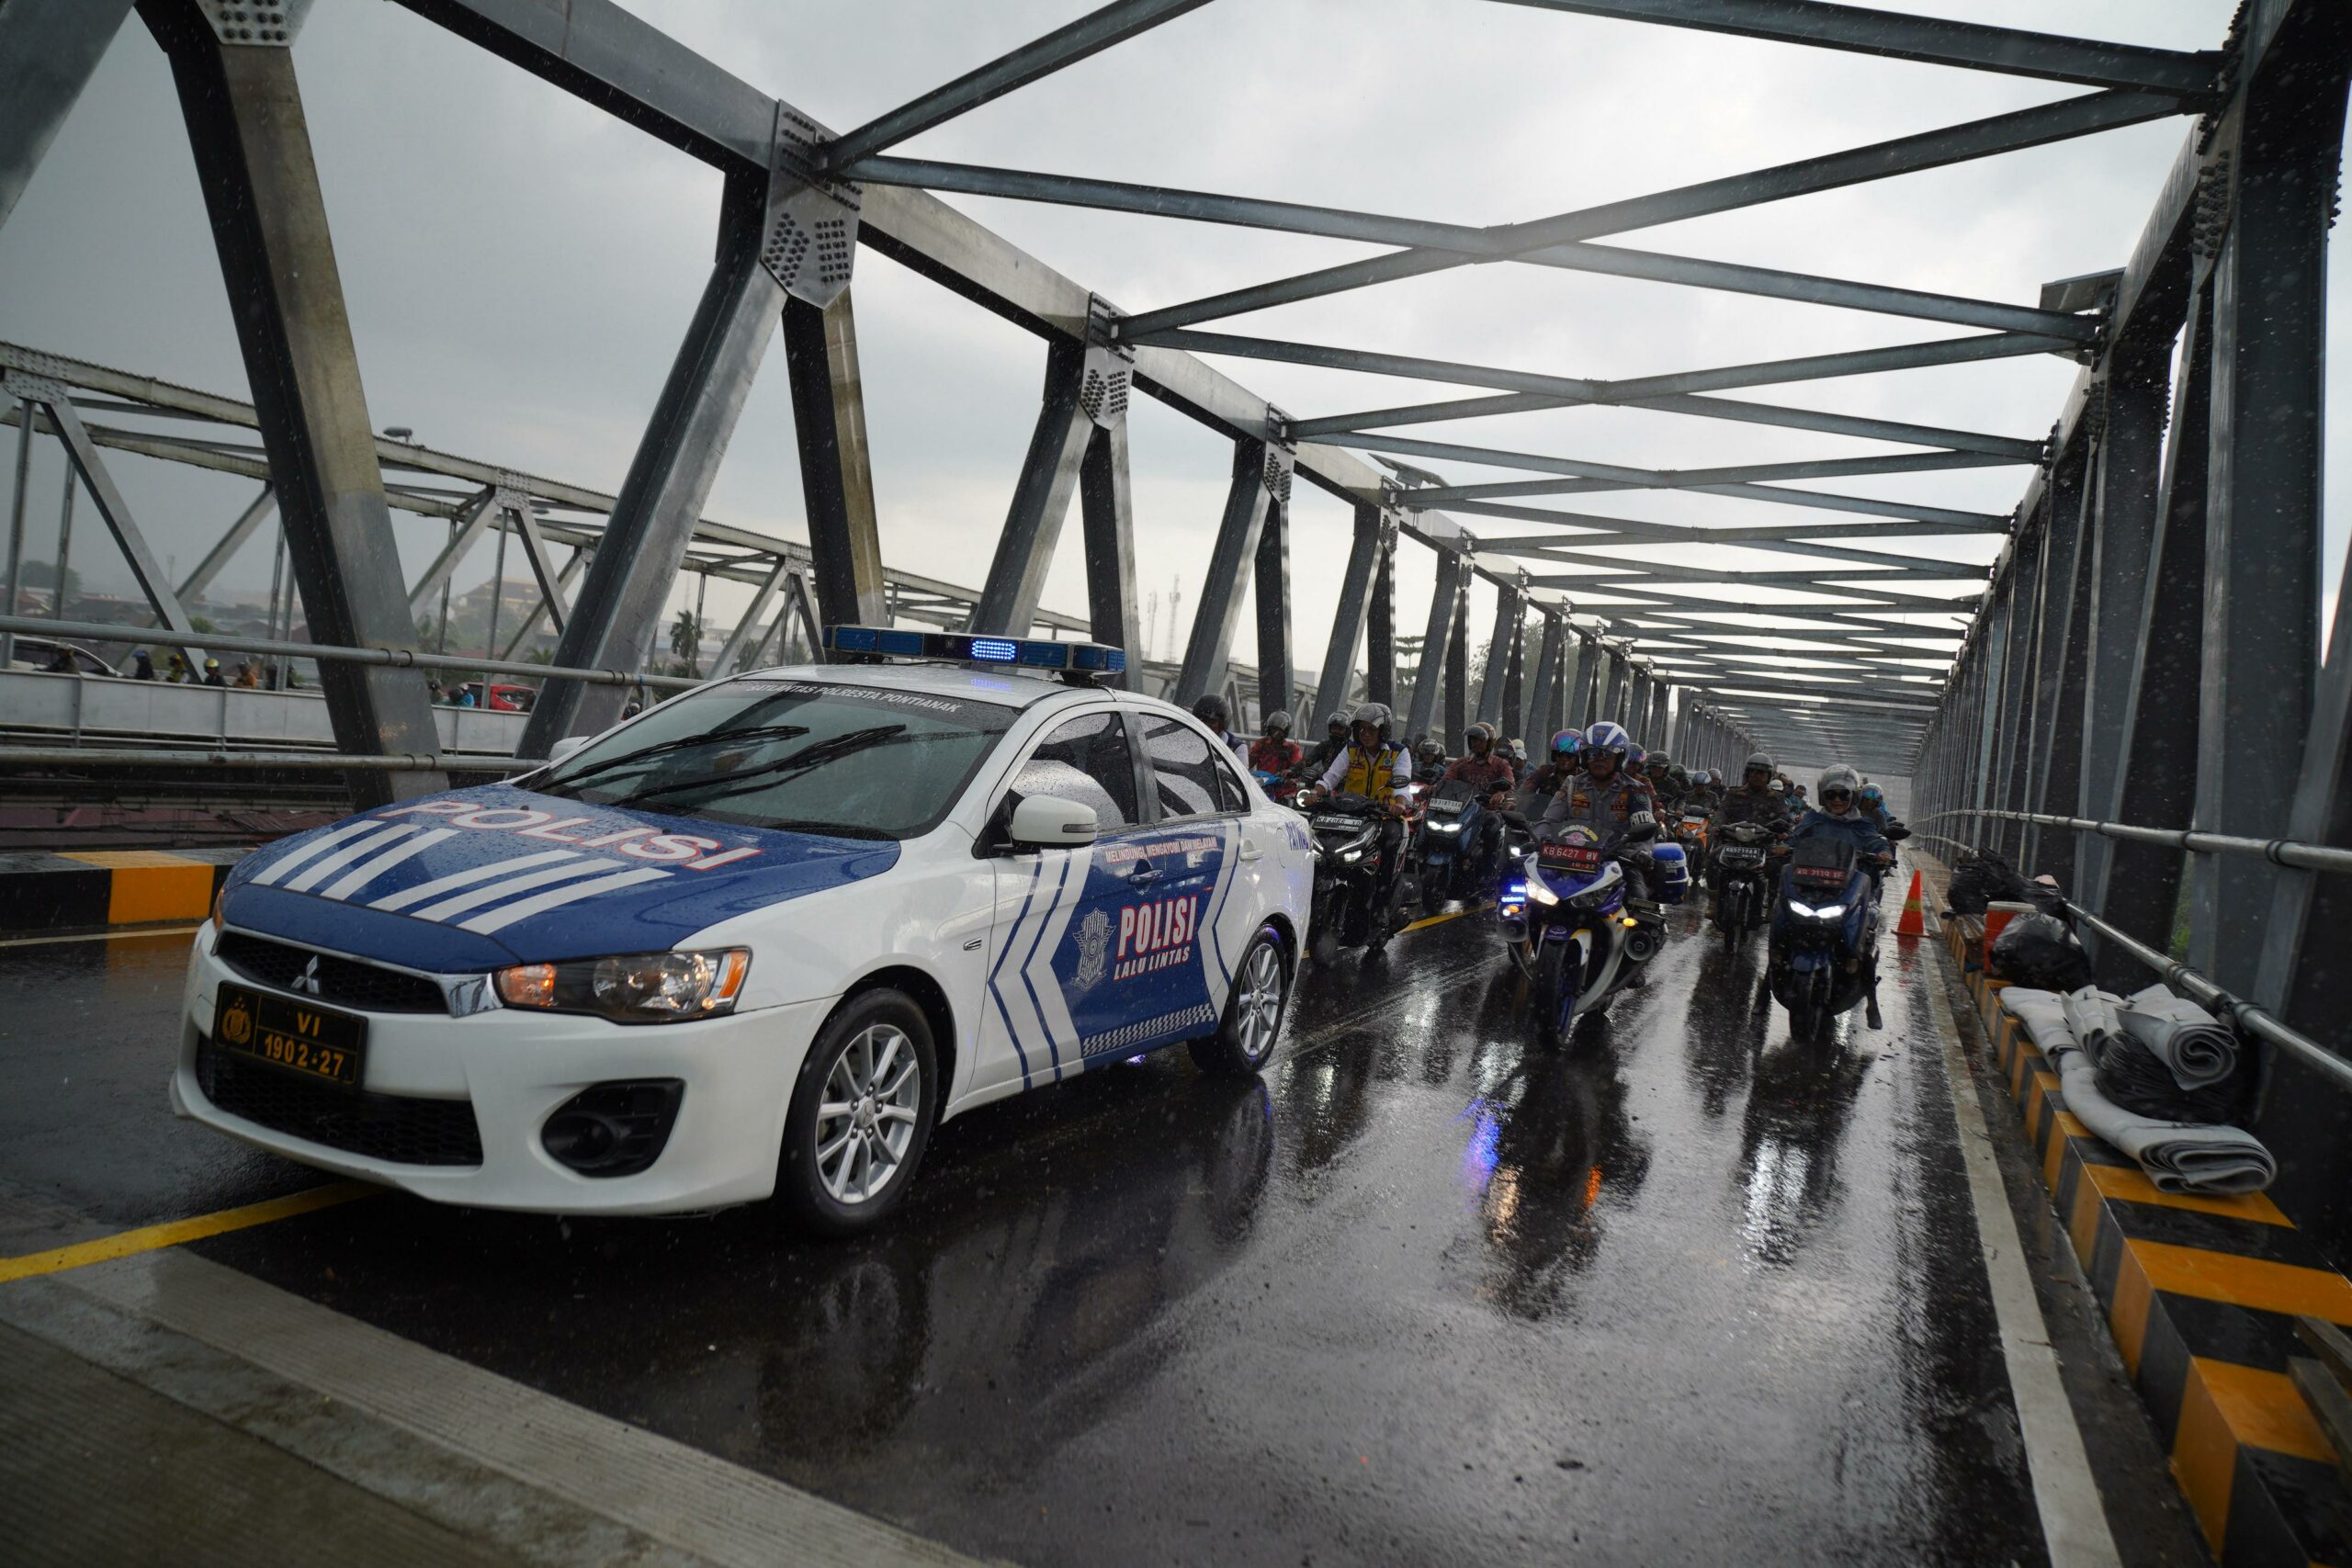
(685, 641)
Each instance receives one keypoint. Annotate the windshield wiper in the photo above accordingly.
(681, 743)
(823, 752)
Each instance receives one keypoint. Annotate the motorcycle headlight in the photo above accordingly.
(1445, 827)
(1817, 912)
(1350, 857)
(642, 988)
(1539, 891)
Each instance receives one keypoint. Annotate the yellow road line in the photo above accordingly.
(147, 1238)
(103, 936)
(1435, 920)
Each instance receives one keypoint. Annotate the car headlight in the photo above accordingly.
(642, 987)
(220, 903)
(1822, 912)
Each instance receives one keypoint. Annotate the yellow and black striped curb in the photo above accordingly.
(2201, 1295)
(41, 892)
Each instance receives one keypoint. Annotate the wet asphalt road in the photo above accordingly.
(1426, 1293)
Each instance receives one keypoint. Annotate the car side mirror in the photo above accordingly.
(1049, 822)
(567, 746)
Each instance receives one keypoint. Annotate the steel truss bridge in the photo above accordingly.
(2146, 651)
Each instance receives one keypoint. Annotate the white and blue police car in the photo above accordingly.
(758, 939)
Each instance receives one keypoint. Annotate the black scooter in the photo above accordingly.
(1354, 903)
(1825, 941)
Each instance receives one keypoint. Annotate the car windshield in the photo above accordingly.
(802, 756)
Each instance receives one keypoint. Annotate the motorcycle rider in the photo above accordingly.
(1659, 769)
(1486, 770)
(1334, 741)
(1209, 708)
(1275, 751)
(1612, 799)
(1705, 795)
(1755, 800)
(1375, 767)
(1429, 761)
(1535, 791)
(1840, 815)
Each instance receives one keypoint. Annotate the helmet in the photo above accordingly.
(1209, 708)
(1611, 737)
(1374, 714)
(1659, 759)
(1872, 795)
(1278, 719)
(1678, 774)
(1778, 786)
(1430, 747)
(1838, 776)
(1758, 760)
(212, 664)
(1567, 743)
(1481, 730)
(1635, 757)
(1518, 749)
(1337, 721)
(1703, 778)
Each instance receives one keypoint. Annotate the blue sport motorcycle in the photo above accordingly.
(1453, 864)
(1564, 924)
(1824, 950)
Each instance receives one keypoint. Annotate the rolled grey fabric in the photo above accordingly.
(2182, 1035)
(2178, 1157)
(2093, 1018)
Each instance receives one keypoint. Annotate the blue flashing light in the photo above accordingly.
(1029, 653)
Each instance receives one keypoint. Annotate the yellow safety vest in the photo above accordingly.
(1372, 773)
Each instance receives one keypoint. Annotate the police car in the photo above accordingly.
(760, 939)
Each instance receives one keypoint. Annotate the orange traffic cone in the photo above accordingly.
(1915, 919)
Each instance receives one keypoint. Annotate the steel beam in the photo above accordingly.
(1445, 603)
(226, 547)
(1564, 392)
(1372, 533)
(1276, 669)
(739, 641)
(1106, 508)
(619, 611)
(1024, 548)
(1587, 477)
(468, 527)
(1380, 625)
(1294, 218)
(836, 469)
(1931, 39)
(565, 579)
(1457, 667)
(1217, 610)
(1978, 139)
(251, 140)
(1537, 719)
(48, 50)
(2263, 508)
(1067, 45)
(1509, 610)
(543, 571)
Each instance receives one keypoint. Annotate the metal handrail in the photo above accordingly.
(309, 762)
(2279, 851)
(397, 658)
(2248, 1018)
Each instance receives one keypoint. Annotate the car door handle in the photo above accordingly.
(1145, 872)
(1250, 850)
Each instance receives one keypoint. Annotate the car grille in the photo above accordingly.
(391, 1127)
(346, 981)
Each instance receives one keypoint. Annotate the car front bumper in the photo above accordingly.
(515, 1067)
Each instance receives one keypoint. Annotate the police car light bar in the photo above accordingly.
(1078, 660)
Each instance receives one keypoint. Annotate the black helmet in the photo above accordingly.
(1209, 708)
(1481, 730)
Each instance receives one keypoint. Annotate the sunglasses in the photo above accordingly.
(1837, 794)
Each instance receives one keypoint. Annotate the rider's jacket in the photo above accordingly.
(1489, 772)
(1745, 804)
(1609, 806)
(1855, 828)
(1269, 755)
(1374, 775)
(1536, 790)
(1324, 749)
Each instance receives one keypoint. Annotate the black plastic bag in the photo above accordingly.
(2039, 950)
(2131, 1076)
(1982, 879)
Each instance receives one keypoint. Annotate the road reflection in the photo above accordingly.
(1799, 1105)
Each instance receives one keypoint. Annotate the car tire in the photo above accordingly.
(845, 1167)
(1244, 1041)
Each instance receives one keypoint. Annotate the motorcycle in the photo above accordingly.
(1351, 877)
(1564, 924)
(1280, 788)
(1691, 831)
(1454, 822)
(1825, 943)
(1743, 887)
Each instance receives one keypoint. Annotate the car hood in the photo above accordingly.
(476, 878)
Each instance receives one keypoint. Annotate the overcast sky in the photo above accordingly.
(520, 267)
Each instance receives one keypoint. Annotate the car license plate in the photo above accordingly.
(316, 1042)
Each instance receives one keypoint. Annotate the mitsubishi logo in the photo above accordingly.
(308, 980)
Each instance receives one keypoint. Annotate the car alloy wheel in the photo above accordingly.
(867, 1119)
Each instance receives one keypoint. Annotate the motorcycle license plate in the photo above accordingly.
(1743, 859)
(1569, 857)
(1337, 824)
(1446, 809)
(1821, 881)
